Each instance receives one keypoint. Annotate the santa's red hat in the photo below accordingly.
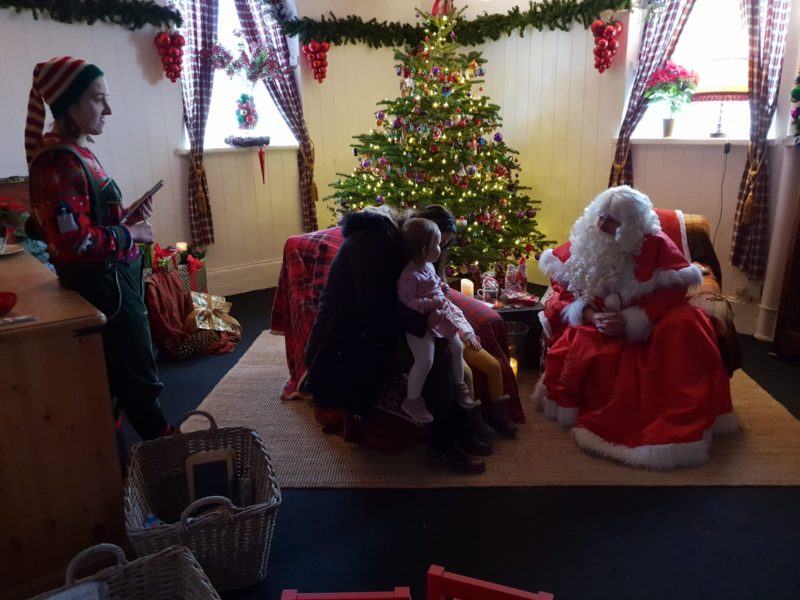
(59, 82)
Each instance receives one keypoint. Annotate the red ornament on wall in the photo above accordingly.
(170, 49)
(605, 42)
(316, 54)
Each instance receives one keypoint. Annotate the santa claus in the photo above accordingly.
(631, 367)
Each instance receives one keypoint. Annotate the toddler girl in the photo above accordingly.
(420, 288)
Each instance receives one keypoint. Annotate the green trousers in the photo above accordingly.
(117, 289)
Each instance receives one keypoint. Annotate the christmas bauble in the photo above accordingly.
(163, 39)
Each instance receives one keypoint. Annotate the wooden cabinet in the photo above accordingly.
(60, 483)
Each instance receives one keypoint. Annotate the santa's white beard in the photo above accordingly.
(596, 262)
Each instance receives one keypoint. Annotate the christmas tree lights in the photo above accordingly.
(439, 143)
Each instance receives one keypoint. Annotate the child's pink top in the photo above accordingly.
(417, 287)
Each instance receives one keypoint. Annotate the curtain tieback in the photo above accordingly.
(200, 194)
(749, 206)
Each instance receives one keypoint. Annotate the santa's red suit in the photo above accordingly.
(652, 396)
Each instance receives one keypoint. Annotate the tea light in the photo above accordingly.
(513, 363)
(467, 287)
(181, 246)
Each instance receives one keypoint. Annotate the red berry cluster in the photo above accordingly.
(170, 48)
(316, 53)
(605, 42)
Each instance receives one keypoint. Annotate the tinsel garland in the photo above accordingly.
(549, 14)
(133, 14)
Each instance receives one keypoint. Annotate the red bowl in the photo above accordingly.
(7, 302)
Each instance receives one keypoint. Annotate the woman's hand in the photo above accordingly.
(142, 232)
(611, 324)
(141, 213)
(472, 342)
(437, 303)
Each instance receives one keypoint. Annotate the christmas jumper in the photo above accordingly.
(96, 257)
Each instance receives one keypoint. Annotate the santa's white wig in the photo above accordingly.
(597, 258)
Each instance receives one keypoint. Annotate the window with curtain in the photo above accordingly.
(714, 44)
(222, 117)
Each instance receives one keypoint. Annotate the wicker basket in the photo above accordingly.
(171, 574)
(232, 544)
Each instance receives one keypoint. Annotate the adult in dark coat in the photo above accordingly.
(358, 325)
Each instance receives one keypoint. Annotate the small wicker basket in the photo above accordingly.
(171, 574)
(231, 543)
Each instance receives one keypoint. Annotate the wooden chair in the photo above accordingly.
(399, 593)
(443, 586)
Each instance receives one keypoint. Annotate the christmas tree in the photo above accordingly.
(439, 143)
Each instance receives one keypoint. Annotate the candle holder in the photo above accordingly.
(517, 333)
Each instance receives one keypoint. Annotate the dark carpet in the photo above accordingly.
(577, 543)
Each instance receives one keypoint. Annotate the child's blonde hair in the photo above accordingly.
(417, 237)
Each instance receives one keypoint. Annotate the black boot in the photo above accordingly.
(482, 430)
(499, 419)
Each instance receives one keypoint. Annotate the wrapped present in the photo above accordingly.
(193, 274)
(147, 255)
(165, 259)
(211, 312)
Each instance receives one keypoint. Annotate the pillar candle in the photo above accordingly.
(467, 287)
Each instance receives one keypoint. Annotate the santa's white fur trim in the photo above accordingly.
(726, 424)
(566, 417)
(637, 325)
(630, 289)
(552, 266)
(539, 395)
(572, 314)
(658, 457)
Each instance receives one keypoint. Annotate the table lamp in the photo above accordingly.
(721, 80)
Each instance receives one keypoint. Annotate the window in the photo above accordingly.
(714, 44)
(222, 121)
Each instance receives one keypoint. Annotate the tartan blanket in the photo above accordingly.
(306, 261)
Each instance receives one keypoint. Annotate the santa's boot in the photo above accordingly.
(482, 430)
(499, 419)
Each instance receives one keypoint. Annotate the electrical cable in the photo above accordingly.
(726, 150)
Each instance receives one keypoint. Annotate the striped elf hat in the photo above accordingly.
(59, 82)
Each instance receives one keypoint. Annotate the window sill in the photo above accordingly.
(226, 150)
(684, 141)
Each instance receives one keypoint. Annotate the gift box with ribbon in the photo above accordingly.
(165, 259)
(211, 312)
(193, 274)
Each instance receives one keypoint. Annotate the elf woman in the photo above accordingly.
(91, 238)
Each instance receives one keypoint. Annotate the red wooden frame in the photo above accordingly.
(443, 586)
(399, 593)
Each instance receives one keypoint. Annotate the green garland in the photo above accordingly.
(133, 14)
(550, 14)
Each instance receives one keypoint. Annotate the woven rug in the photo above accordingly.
(765, 452)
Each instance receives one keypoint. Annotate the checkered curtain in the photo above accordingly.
(200, 30)
(261, 27)
(767, 24)
(659, 37)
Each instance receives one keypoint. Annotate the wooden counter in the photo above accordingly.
(60, 483)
